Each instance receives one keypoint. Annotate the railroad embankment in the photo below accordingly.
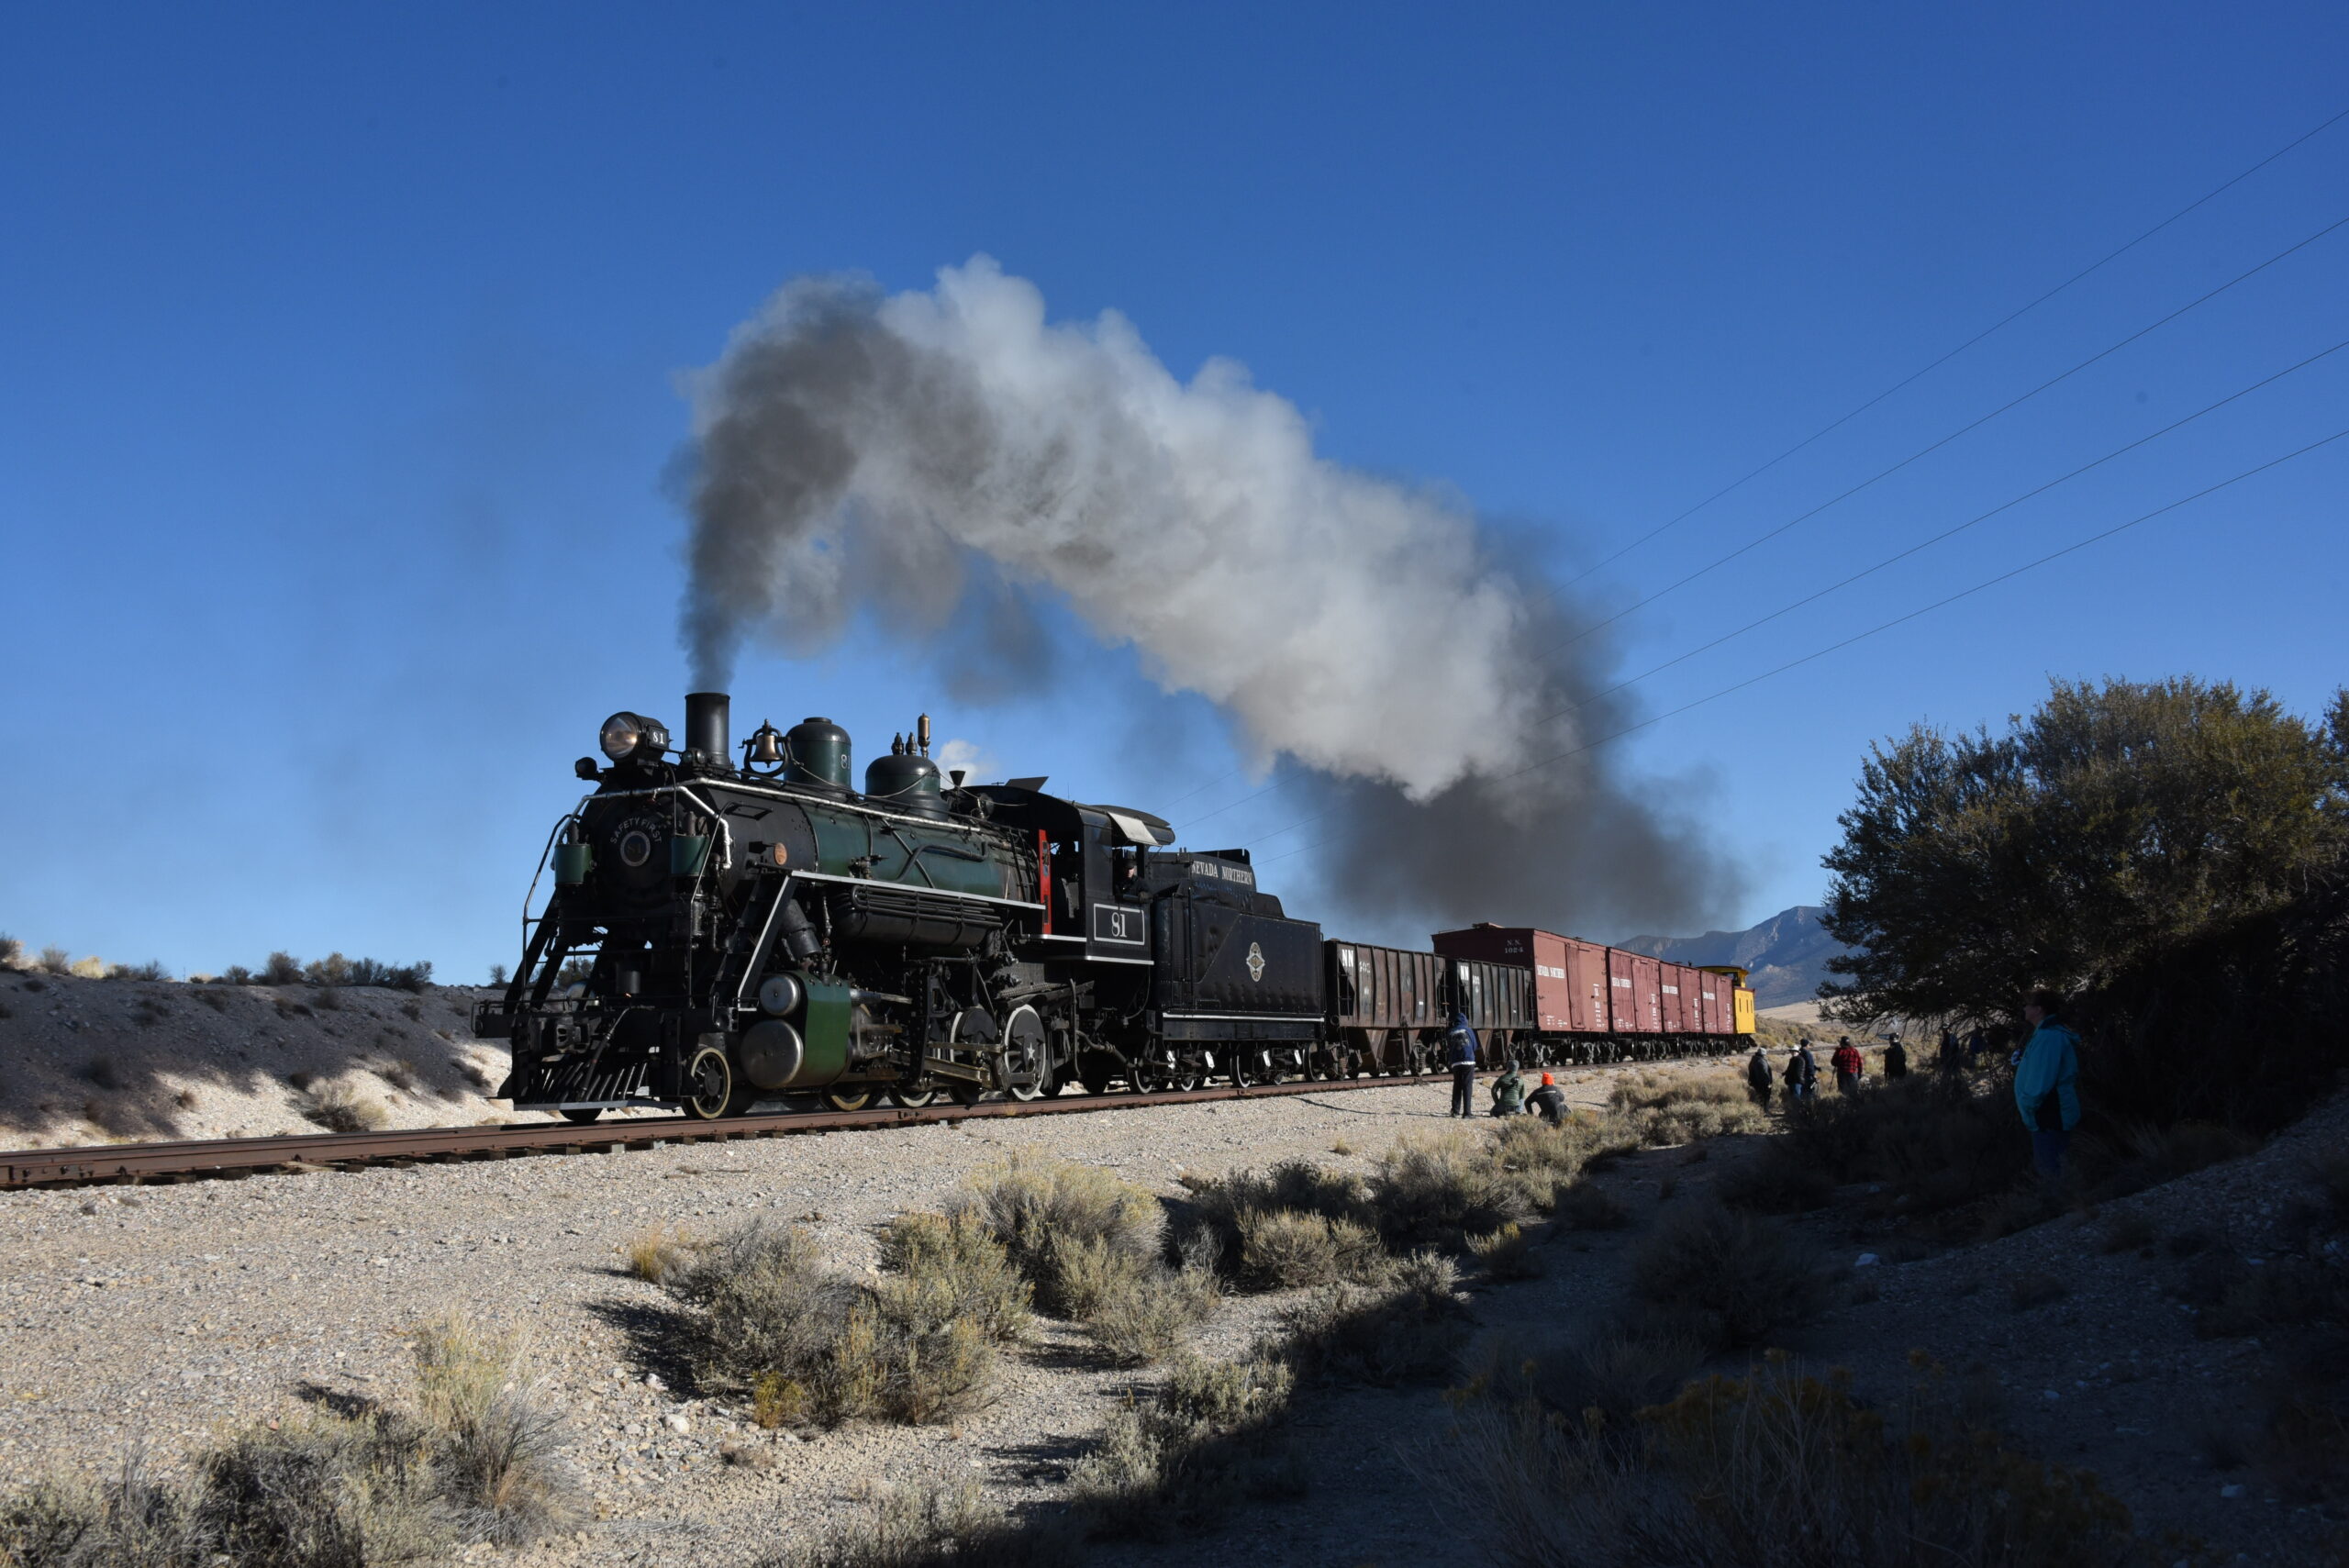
(88, 1060)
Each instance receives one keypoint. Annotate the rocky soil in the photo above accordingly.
(159, 1315)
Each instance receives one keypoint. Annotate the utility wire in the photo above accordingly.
(1760, 539)
(1986, 584)
(2005, 320)
(1951, 532)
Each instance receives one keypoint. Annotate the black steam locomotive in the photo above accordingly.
(720, 933)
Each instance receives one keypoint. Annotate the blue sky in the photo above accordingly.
(339, 353)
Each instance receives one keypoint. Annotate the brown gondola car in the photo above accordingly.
(1593, 1003)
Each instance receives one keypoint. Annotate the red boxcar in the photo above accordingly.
(1584, 988)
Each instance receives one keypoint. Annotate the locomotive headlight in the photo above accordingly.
(621, 734)
(625, 734)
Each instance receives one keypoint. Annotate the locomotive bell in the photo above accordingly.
(766, 745)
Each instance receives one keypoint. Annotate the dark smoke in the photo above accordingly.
(949, 457)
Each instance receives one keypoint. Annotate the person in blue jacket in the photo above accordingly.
(2047, 1082)
(1460, 1050)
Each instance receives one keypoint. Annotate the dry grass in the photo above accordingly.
(493, 1440)
(653, 1255)
(1436, 1189)
(1585, 1206)
(338, 1108)
(1734, 1278)
(1508, 1254)
(948, 1267)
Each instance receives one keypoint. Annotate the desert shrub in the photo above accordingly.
(1435, 1190)
(1506, 1253)
(1208, 1217)
(282, 969)
(12, 951)
(776, 1322)
(1410, 1330)
(389, 976)
(1212, 1439)
(1037, 1206)
(236, 974)
(1777, 1468)
(944, 1267)
(1663, 1108)
(339, 1109)
(1740, 1277)
(56, 960)
(149, 970)
(1139, 1315)
(1282, 1249)
(325, 973)
(90, 968)
(493, 1438)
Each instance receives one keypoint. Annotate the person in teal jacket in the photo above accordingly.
(2047, 1083)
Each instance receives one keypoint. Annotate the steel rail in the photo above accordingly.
(234, 1157)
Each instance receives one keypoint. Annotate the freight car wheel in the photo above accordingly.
(709, 1085)
(580, 1117)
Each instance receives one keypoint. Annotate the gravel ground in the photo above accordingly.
(159, 1315)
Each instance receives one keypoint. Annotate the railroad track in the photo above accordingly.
(235, 1157)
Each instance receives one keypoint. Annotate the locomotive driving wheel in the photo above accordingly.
(847, 1099)
(913, 1099)
(710, 1089)
(1024, 1065)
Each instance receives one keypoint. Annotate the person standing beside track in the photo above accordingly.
(1460, 1050)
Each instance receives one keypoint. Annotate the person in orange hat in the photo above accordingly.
(1549, 1099)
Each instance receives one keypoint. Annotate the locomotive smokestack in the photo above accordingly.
(705, 726)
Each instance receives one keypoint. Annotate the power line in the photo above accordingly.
(1975, 424)
(1949, 532)
(1986, 584)
(2005, 320)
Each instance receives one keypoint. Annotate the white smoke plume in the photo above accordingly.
(908, 451)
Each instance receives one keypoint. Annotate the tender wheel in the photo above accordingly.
(1248, 1067)
(847, 1099)
(709, 1085)
(581, 1116)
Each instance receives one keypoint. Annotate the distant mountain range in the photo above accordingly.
(1786, 953)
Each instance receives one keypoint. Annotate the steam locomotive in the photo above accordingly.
(720, 933)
